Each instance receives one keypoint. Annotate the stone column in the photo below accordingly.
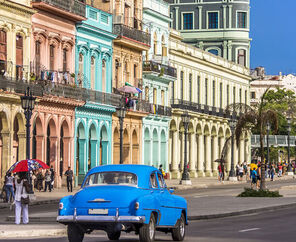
(235, 154)
(241, 151)
(22, 145)
(215, 155)
(94, 151)
(40, 154)
(193, 157)
(6, 152)
(247, 151)
(169, 155)
(175, 160)
(230, 17)
(200, 17)
(177, 17)
(224, 16)
(200, 164)
(208, 156)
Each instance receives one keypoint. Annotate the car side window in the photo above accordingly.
(153, 181)
(160, 180)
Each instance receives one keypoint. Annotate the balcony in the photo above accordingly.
(71, 9)
(131, 37)
(199, 108)
(43, 87)
(154, 69)
(146, 107)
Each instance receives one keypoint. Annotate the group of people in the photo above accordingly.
(43, 179)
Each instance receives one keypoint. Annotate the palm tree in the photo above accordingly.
(256, 117)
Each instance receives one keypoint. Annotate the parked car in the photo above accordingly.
(117, 198)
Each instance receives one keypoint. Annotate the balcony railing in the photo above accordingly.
(73, 6)
(199, 108)
(151, 66)
(131, 33)
(144, 106)
(58, 89)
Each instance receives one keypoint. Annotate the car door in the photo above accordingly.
(168, 210)
(155, 192)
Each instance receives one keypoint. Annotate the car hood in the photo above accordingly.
(106, 196)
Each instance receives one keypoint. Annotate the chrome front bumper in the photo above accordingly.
(98, 219)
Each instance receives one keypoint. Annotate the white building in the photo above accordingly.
(205, 85)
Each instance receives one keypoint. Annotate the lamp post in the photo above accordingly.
(185, 176)
(290, 172)
(121, 115)
(28, 104)
(232, 124)
(267, 141)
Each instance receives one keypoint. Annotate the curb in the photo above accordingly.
(33, 232)
(249, 211)
(49, 201)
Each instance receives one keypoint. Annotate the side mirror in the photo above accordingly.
(171, 190)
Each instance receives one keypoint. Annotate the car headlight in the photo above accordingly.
(61, 206)
(137, 205)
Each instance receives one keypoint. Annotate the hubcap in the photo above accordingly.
(151, 230)
(182, 228)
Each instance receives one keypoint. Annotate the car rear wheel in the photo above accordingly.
(114, 235)
(74, 233)
(147, 231)
(178, 233)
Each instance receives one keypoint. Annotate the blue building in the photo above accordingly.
(93, 72)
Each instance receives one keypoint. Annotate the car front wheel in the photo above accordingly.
(147, 231)
(114, 235)
(74, 233)
(178, 233)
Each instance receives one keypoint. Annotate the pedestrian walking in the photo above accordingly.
(52, 174)
(161, 170)
(22, 187)
(47, 181)
(280, 168)
(39, 178)
(253, 176)
(272, 172)
(240, 172)
(221, 173)
(9, 187)
(69, 175)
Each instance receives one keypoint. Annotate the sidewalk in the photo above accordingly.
(199, 207)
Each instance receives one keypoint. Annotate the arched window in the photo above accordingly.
(162, 98)
(3, 51)
(164, 48)
(92, 73)
(155, 44)
(51, 57)
(65, 64)
(103, 76)
(19, 57)
(37, 57)
(155, 96)
(147, 94)
(80, 69)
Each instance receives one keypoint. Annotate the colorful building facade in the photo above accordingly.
(93, 121)
(157, 75)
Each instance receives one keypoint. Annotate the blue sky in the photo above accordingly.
(273, 33)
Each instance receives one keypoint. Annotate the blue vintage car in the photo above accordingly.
(128, 198)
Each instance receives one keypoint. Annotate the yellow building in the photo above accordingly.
(15, 33)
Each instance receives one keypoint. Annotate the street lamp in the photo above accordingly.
(290, 172)
(267, 141)
(121, 115)
(28, 104)
(232, 124)
(185, 176)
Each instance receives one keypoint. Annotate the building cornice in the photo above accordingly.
(20, 8)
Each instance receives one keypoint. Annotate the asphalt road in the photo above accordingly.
(269, 226)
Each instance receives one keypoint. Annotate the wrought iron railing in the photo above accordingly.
(131, 33)
(199, 108)
(151, 66)
(73, 6)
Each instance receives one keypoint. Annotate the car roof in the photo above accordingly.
(142, 171)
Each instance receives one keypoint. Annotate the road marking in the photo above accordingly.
(247, 230)
(198, 196)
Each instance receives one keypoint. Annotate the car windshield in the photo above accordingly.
(111, 178)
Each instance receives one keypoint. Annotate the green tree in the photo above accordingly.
(257, 118)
